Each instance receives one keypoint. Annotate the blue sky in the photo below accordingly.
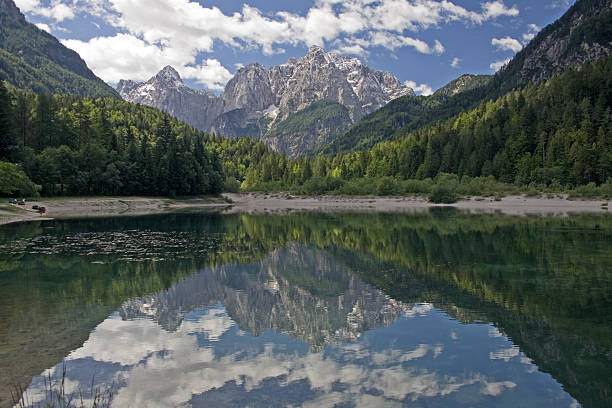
(424, 43)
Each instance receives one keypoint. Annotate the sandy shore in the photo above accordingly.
(283, 203)
(511, 205)
(101, 207)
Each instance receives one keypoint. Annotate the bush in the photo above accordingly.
(416, 186)
(443, 194)
(606, 188)
(231, 185)
(321, 185)
(359, 186)
(15, 181)
(386, 186)
(589, 191)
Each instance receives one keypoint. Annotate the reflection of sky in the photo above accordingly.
(423, 359)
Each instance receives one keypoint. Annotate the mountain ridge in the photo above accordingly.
(258, 99)
(583, 34)
(31, 58)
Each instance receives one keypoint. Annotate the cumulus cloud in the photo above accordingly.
(56, 11)
(44, 27)
(129, 53)
(456, 62)
(422, 89)
(532, 30)
(507, 44)
(174, 32)
(392, 42)
(494, 9)
(497, 65)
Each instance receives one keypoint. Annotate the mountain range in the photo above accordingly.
(323, 92)
(583, 34)
(324, 102)
(535, 122)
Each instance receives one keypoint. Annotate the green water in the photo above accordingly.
(439, 309)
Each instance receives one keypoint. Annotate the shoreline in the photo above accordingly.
(262, 203)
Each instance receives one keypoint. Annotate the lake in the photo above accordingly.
(434, 309)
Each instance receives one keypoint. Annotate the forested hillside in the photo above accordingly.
(82, 146)
(583, 34)
(30, 58)
(558, 133)
(304, 131)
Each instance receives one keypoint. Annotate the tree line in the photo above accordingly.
(69, 145)
(556, 135)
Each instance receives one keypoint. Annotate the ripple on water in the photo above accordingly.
(130, 245)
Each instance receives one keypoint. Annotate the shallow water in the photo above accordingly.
(440, 309)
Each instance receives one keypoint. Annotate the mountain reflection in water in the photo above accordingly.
(439, 309)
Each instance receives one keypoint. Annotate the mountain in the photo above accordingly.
(303, 131)
(33, 59)
(166, 91)
(464, 83)
(257, 100)
(582, 34)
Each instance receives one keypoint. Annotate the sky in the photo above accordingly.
(424, 43)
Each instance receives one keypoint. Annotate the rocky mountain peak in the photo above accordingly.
(166, 91)
(318, 56)
(257, 99)
(249, 89)
(168, 76)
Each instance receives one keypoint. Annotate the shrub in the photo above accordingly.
(386, 186)
(321, 185)
(15, 181)
(443, 194)
(231, 185)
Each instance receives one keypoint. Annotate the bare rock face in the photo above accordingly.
(576, 38)
(317, 77)
(166, 91)
(249, 89)
(257, 100)
(373, 88)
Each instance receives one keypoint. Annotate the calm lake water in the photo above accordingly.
(440, 309)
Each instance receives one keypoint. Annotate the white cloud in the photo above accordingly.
(44, 27)
(392, 42)
(507, 44)
(142, 60)
(496, 388)
(494, 9)
(559, 3)
(456, 62)
(55, 11)
(210, 73)
(422, 89)
(532, 30)
(161, 368)
(174, 32)
(354, 49)
(497, 65)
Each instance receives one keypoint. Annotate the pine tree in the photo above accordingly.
(8, 140)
